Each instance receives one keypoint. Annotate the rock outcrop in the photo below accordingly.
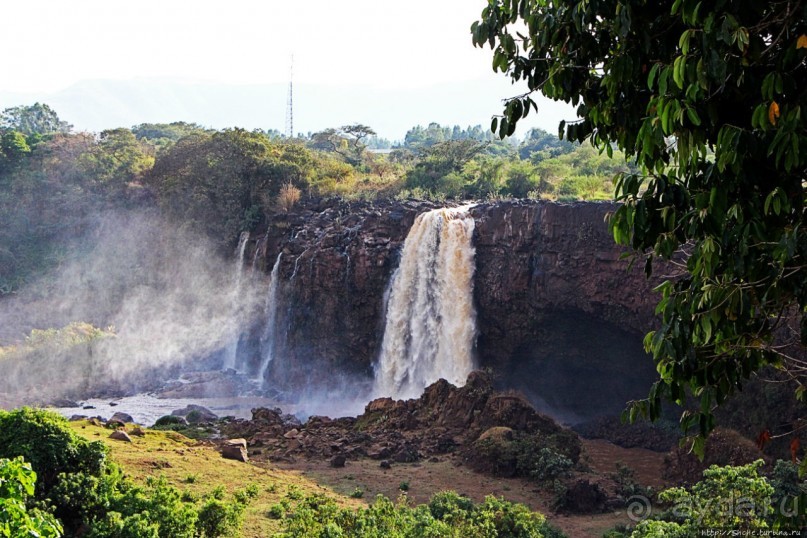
(444, 420)
(554, 300)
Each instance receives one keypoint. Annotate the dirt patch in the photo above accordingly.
(423, 479)
(648, 465)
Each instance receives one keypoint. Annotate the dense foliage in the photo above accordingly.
(447, 515)
(54, 184)
(17, 481)
(729, 499)
(707, 99)
(89, 495)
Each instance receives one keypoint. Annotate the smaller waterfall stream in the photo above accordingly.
(231, 353)
(430, 318)
(270, 314)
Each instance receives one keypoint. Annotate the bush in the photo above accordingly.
(540, 457)
(90, 495)
(446, 515)
(218, 518)
(17, 481)
(45, 440)
(288, 196)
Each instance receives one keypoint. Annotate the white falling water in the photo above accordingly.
(231, 353)
(430, 319)
(268, 338)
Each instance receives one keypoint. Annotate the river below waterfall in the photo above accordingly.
(147, 408)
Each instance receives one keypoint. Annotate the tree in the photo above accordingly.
(13, 149)
(118, 159)
(223, 182)
(707, 99)
(440, 160)
(347, 141)
(37, 119)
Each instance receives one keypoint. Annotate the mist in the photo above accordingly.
(164, 297)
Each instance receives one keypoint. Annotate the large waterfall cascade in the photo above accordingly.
(231, 353)
(430, 326)
(270, 315)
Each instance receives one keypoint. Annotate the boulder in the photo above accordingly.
(234, 452)
(120, 435)
(338, 460)
(196, 414)
(169, 420)
(122, 417)
(236, 442)
(115, 424)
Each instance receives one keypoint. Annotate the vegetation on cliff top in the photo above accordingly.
(54, 183)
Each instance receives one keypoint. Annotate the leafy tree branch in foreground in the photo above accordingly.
(708, 102)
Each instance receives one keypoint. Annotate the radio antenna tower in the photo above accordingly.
(290, 102)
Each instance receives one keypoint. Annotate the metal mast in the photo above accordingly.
(290, 102)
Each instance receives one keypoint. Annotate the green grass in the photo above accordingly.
(176, 457)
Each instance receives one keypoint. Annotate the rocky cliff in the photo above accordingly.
(553, 298)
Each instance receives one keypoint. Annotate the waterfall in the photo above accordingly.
(231, 353)
(268, 337)
(430, 318)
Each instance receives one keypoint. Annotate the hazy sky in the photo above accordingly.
(371, 43)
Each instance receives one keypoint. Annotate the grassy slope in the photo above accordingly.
(198, 468)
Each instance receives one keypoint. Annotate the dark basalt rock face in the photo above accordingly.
(551, 292)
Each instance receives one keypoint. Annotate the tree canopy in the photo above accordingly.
(36, 119)
(707, 100)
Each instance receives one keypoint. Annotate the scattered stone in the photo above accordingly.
(88, 407)
(292, 434)
(74, 418)
(120, 435)
(138, 431)
(113, 404)
(385, 464)
(234, 452)
(338, 460)
(122, 417)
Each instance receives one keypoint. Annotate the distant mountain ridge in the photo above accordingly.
(95, 105)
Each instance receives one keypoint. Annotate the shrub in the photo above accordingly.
(276, 511)
(17, 480)
(218, 518)
(446, 515)
(288, 196)
(92, 498)
(45, 440)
